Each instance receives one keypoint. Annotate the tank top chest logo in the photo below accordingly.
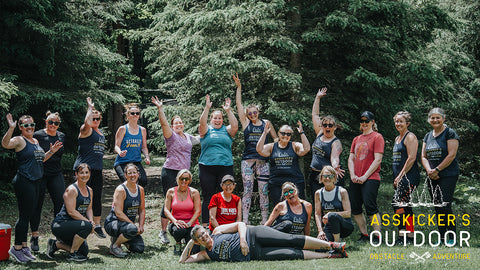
(317, 150)
(133, 143)
(283, 159)
(433, 150)
(39, 154)
(100, 145)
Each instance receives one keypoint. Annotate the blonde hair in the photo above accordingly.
(49, 115)
(286, 126)
(406, 115)
(130, 106)
(329, 169)
(23, 118)
(287, 184)
(181, 172)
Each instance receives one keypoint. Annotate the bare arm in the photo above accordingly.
(272, 131)
(335, 158)
(316, 119)
(86, 128)
(308, 207)
(262, 149)
(239, 211)
(118, 198)
(373, 167)
(411, 143)
(203, 127)
(197, 207)
(275, 213)
(166, 129)
(233, 127)
(199, 257)
(141, 211)
(168, 210)
(347, 212)
(7, 141)
(301, 149)
(351, 167)
(319, 215)
(213, 217)
(53, 149)
(238, 98)
(118, 141)
(239, 227)
(145, 146)
(70, 200)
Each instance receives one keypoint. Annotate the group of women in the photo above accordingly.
(274, 164)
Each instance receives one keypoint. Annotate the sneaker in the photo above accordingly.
(51, 248)
(28, 254)
(338, 246)
(450, 243)
(117, 251)
(76, 257)
(34, 243)
(177, 249)
(364, 238)
(400, 242)
(332, 254)
(164, 238)
(99, 232)
(18, 255)
(375, 239)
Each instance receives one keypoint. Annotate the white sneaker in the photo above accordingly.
(164, 238)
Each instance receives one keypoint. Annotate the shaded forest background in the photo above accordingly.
(383, 56)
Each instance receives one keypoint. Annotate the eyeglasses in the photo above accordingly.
(328, 176)
(285, 133)
(327, 125)
(96, 119)
(56, 123)
(27, 125)
(186, 179)
(291, 191)
(134, 113)
(253, 113)
(364, 121)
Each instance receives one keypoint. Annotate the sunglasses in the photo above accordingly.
(285, 133)
(252, 113)
(327, 125)
(56, 123)
(291, 191)
(28, 125)
(364, 121)
(328, 176)
(134, 113)
(96, 119)
(186, 179)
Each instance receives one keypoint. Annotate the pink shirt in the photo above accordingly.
(364, 147)
(183, 210)
(179, 152)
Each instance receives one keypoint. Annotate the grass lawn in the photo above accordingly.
(361, 256)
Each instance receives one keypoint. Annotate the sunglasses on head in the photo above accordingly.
(134, 113)
(186, 179)
(285, 133)
(253, 113)
(327, 125)
(364, 121)
(96, 119)
(56, 123)
(291, 191)
(27, 125)
(328, 176)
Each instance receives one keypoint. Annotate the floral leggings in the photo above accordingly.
(250, 168)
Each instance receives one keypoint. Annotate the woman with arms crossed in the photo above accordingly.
(253, 164)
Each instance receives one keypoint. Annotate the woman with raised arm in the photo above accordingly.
(326, 148)
(216, 159)
(364, 162)
(74, 222)
(253, 164)
(439, 158)
(406, 175)
(128, 202)
(26, 184)
(182, 208)
(291, 215)
(179, 152)
(130, 143)
(236, 242)
(284, 156)
(91, 147)
(52, 173)
(332, 208)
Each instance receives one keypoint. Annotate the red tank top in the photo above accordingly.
(183, 210)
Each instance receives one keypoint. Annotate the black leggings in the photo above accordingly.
(337, 224)
(26, 192)
(182, 233)
(269, 244)
(169, 180)
(56, 187)
(96, 183)
(142, 179)
(210, 178)
(66, 230)
(446, 186)
(129, 230)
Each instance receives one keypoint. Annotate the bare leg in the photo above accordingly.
(77, 242)
(97, 220)
(35, 234)
(120, 240)
(164, 224)
(315, 243)
(63, 246)
(361, 223)
(336, 237)
(310, 255)
(376, 226)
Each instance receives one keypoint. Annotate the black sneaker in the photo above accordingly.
(401, 242)
(34, 244)
(375, 239)
(99, 232)
(364, 238)
(338, 247)
(51, 248)
(76, 257)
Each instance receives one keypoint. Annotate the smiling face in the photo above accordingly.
(177, 125)
(329, 128)
(252, 114)
(401, 124)
(285, 134)
(133, 114)
(436, 120)
(289, 192)
(366, 125)
(52, 123)
(184, 180)
(131, 173)
(27, 126)
(228, 187)
(96, 119)
(83, 175)
(216, 119)
(202, 237)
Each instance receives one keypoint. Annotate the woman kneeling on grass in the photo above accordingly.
(237, 242)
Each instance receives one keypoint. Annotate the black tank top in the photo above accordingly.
(321, 153)
(91, 150)
(299, 221)
(81, 205)
(251, 135)
(131, 204)
(284, 165)
(400, 156)
(226, 248)
(30, 161)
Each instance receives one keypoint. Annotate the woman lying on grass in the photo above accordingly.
(237, 242)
